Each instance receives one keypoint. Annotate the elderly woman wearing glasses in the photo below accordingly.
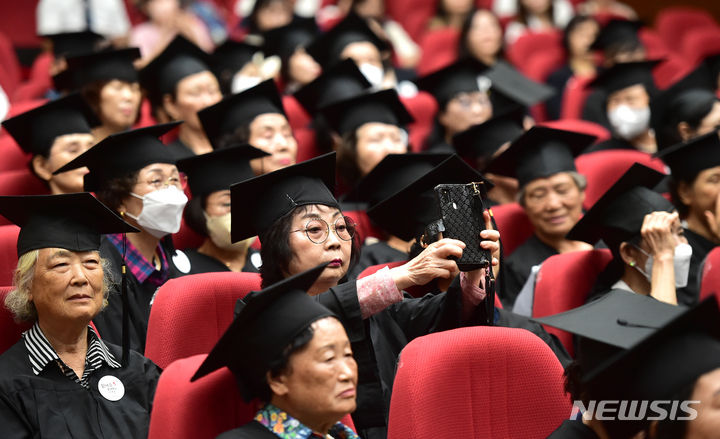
(300, 225)
(134, 174)
(61, 380)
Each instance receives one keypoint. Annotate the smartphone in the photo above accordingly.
(462, 206)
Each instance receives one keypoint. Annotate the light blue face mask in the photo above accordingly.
(681, 264)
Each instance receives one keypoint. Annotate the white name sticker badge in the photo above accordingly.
(111, 388)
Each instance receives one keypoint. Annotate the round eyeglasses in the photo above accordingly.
(317, 230)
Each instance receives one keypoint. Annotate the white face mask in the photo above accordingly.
(628, 123)
(681, 265)
(373, 74)
(162, 211)
(219, 231)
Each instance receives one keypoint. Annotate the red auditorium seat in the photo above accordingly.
(580, 126)
(655, 46)
(531, 45)
(700, 43)
(412, 14)
(18, 22)
(563, 283)
(439, 49)
(538, 68)
(190, 313)
(187, 237)
(477, 382)
(20, 182)
(423, 108)
(514, 226)
(671, 70)
(710, 283)
(147, 119)
(13, 158)
(9, 330)
(673, 22)
(8, 252)
(39, 81)
(297, 116)
(306, 147)
(10, 73)
(364, 228)
(604, 168)
(199, 410)
(573, 100)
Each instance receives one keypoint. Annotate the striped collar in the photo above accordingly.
(41, 353)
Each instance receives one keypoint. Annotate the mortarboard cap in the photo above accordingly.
(70, 221)
(121, 154)
(239, 109)
(105, 65)
(36, 130)
(407, 212)
(268, 322)
(337, 83)
(627, 74)
(74, 43)
(514, 87)
(686, 160)
(540, 153)
(659, 366)
(383, 106)
(327, 48)
(269, 197)
(619, 214)
(464, 76)
(480, 142)
(283, 41)
(617, 32)
(219, 169)
(178, 60)
(393, 173)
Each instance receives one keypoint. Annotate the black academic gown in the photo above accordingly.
(140, 296)
(201, 263)
(374, 254)
(50, 405)
(701, 246)
(594, 109)
(517, 267)
(571, 429)
(251, 430)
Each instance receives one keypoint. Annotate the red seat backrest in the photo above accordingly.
(439, 49)
(573, 100)
(296, 114)
(654, 43)
(18, 21)
(10, 73)
(20, 182)
(364, 227)
(488, 382)
(306, 147)
(700, 43)
(563, 283)
(580, 126)
(202, 409)
(604, 168)
(423, 108)
(9, 330)
(673, 22)
(710, 283)
(413, 15)
(514, 226)
(190, 313)
(534, 44)
(8, 252)
(187, 237)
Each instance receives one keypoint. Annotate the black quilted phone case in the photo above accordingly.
(462, 206)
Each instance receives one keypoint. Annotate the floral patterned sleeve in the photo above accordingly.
(376, 292)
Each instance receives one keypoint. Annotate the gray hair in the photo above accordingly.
(18, 300)
(579, 179)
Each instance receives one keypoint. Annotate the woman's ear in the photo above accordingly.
(278, 384)
(686, 133)
(627, 254)
(41, 167)
(170, 107)
(684, 191)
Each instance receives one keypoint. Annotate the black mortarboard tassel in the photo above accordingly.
(105, 65)
(382, 106)
(340, 82)
(122, 154)
(267, 198)
(327, 48)
(686, 160)
(540, 153)
(36, 130)
(268, 322)
(178, 60)
(619, 214)
(218, 170)
(283, 41)
(239, 109)
(407, 212)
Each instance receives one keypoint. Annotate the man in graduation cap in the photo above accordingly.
(61, 380)
(54, 134)
(551, 192)
(179, 83)
(695, 173)
(371, 126)
(255, 116)
(294, 355)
